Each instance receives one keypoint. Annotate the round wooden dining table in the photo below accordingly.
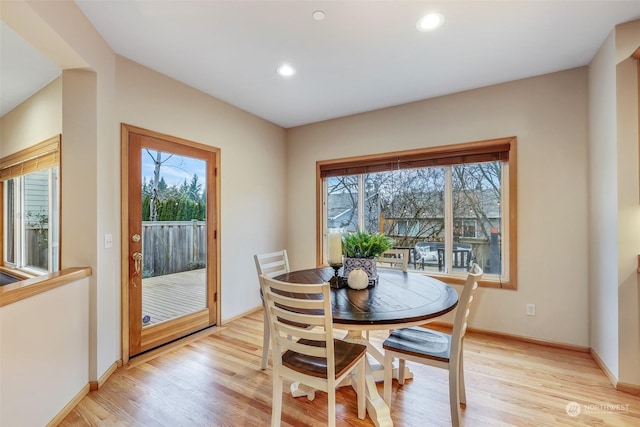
(397, 300)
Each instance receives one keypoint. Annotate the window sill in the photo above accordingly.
(24, 289)
(17, 273)
(460, 280)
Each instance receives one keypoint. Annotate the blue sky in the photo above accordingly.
(175, 170)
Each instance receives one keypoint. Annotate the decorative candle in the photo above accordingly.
(335, 248)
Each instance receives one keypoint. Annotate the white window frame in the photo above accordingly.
(40, 157)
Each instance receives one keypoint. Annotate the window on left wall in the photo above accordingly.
(30, 187)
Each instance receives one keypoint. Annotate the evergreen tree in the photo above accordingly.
(146, 207)
(162, 186)
(195, 188)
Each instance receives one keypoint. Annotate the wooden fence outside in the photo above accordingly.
(37, 247)
(173, 246)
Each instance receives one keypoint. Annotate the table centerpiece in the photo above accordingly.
(361, 249)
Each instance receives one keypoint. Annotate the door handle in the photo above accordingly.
(137, 263)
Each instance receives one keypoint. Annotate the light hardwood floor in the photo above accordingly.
(216, 381)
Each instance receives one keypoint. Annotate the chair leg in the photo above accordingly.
(454, 396)
(461, 390)
(401, 369)
(331, 398)
(276, 410)
(265, 341)
(361, 388)
(388, 370)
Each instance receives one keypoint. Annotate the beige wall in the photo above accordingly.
(626, 69)
(548, 115)
(44, 349)
(63, 34)
(615, 207)
(35, 120)
(628, 221)
(31, 330)
(252, 170)
(90, 107)
(603, 224)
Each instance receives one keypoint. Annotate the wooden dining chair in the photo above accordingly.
(270, 264)
(309, 356)
(435, 348)
(396, 258)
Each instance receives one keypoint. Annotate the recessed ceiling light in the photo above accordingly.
(285, 70)
(318, 15)
(430, 22)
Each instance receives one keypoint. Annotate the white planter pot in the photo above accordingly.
(366, 264)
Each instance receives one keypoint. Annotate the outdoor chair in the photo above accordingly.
(435, 348)
(309, 356)
(426, 254)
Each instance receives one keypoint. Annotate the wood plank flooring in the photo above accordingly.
(217, 381)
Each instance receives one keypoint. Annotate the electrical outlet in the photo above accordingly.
(531, 309)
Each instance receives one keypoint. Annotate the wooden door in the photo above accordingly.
(170, 243)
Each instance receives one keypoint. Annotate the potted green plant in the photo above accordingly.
(361, 248)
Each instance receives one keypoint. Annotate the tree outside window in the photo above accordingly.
(450, 205)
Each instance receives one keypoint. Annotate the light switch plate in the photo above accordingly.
(108, 241)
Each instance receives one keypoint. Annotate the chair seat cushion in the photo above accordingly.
(420, 342)
(346, 355)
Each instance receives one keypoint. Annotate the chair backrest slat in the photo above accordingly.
(308, 334)
(297, 318)
(291, 308)
(272, 264)
(309, 350)
(310, 301)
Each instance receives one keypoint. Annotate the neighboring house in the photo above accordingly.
(423, 223)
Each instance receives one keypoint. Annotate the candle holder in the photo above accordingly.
(336, 281)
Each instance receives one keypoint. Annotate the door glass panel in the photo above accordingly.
(174, 236)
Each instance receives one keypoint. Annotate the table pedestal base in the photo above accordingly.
(376, 407)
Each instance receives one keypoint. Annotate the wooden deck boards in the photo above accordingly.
(173, 295)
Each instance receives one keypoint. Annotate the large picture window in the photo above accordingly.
(30, 187)
(450, 206)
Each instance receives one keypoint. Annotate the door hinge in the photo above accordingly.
(215, 234)
(215, 297)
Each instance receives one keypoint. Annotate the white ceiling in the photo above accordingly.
(23, 70)
(364, 55)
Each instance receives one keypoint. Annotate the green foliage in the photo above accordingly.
(171, 209)
(362, 244)
(40, 222)
(146, 208)
(195, 188)
(176, 203)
